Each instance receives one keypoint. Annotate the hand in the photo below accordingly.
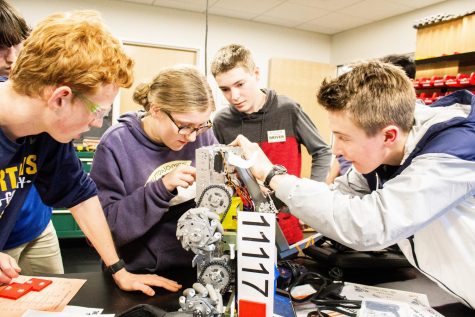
(262, 165)
(182, 176)
(8, 268)
(141, 282)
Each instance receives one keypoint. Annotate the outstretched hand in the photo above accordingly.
(262, 165)
(9, 269)
(142, 282)
(182, 176)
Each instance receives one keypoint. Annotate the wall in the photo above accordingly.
(142, 23)
(394, 35)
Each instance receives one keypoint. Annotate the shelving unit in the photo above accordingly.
(445, 58)
(63, 221)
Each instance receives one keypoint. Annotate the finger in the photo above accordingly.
(182, 183)
(15, 266)
(160, 281)
(189, 169)
(147, 290)
(4, 279)
(237, 141)
(9, 268)
(190, 179)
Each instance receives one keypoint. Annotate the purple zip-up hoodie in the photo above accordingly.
(142, 214)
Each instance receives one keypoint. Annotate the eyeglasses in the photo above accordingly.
(187, 130)
(93, 107)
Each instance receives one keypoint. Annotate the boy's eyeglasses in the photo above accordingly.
(93, 107)
(187, 130)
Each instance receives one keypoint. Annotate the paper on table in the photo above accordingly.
(359, 291)
(37, 313)
(418, 303)
(82, 310)
(52, 298)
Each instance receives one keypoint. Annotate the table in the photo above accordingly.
(100, 290)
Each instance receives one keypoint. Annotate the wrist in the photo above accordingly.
(116, 267)
(274, 171)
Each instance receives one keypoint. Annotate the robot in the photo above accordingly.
(209, 230)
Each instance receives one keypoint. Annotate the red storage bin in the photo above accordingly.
(457, 81)
(416, 83)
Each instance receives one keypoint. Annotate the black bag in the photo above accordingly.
(143, 310)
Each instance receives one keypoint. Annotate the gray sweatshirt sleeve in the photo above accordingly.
(307, 134)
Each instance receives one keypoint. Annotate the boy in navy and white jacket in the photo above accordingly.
(412, 180)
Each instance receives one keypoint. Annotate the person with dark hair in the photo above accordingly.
(412, 180)
(406, 62)
(13, 32)
(144, 195)
(56, 92)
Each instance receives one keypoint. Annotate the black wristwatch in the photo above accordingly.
(116, 267)
(276, 170)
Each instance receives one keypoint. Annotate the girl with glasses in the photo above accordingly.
(144, 168)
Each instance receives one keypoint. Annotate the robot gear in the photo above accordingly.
(199, 230)
(216, 273)
(202, 301)
(216, 198)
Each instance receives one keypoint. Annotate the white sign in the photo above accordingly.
(256, 260)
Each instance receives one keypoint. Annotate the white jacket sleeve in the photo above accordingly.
(432, 185)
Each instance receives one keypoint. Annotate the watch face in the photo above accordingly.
(279, 169)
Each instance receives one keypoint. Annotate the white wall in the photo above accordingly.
(142, 23)
(390, 36)
(157, 25)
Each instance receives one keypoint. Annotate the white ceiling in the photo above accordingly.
(322, 16)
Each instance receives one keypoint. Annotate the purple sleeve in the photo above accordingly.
(344, 164)
(130, 215)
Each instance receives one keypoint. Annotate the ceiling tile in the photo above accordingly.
(375, 10)
(254, 7)
(297, 13)
(416, 4)
(230, 13)
(329, 5)
(140, 1)
(277, 21)
(338, 21)
(318, 28)
(190, 5)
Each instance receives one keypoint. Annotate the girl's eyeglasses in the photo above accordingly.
(187, 130)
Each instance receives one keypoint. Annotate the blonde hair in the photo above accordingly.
(232, 56)
(72, 49)
(375, 94)
(180, 89)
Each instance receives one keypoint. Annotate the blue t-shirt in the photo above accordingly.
(33, 218)
(52, 167)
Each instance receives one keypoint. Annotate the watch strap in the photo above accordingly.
(276, 170)
(116, 267)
